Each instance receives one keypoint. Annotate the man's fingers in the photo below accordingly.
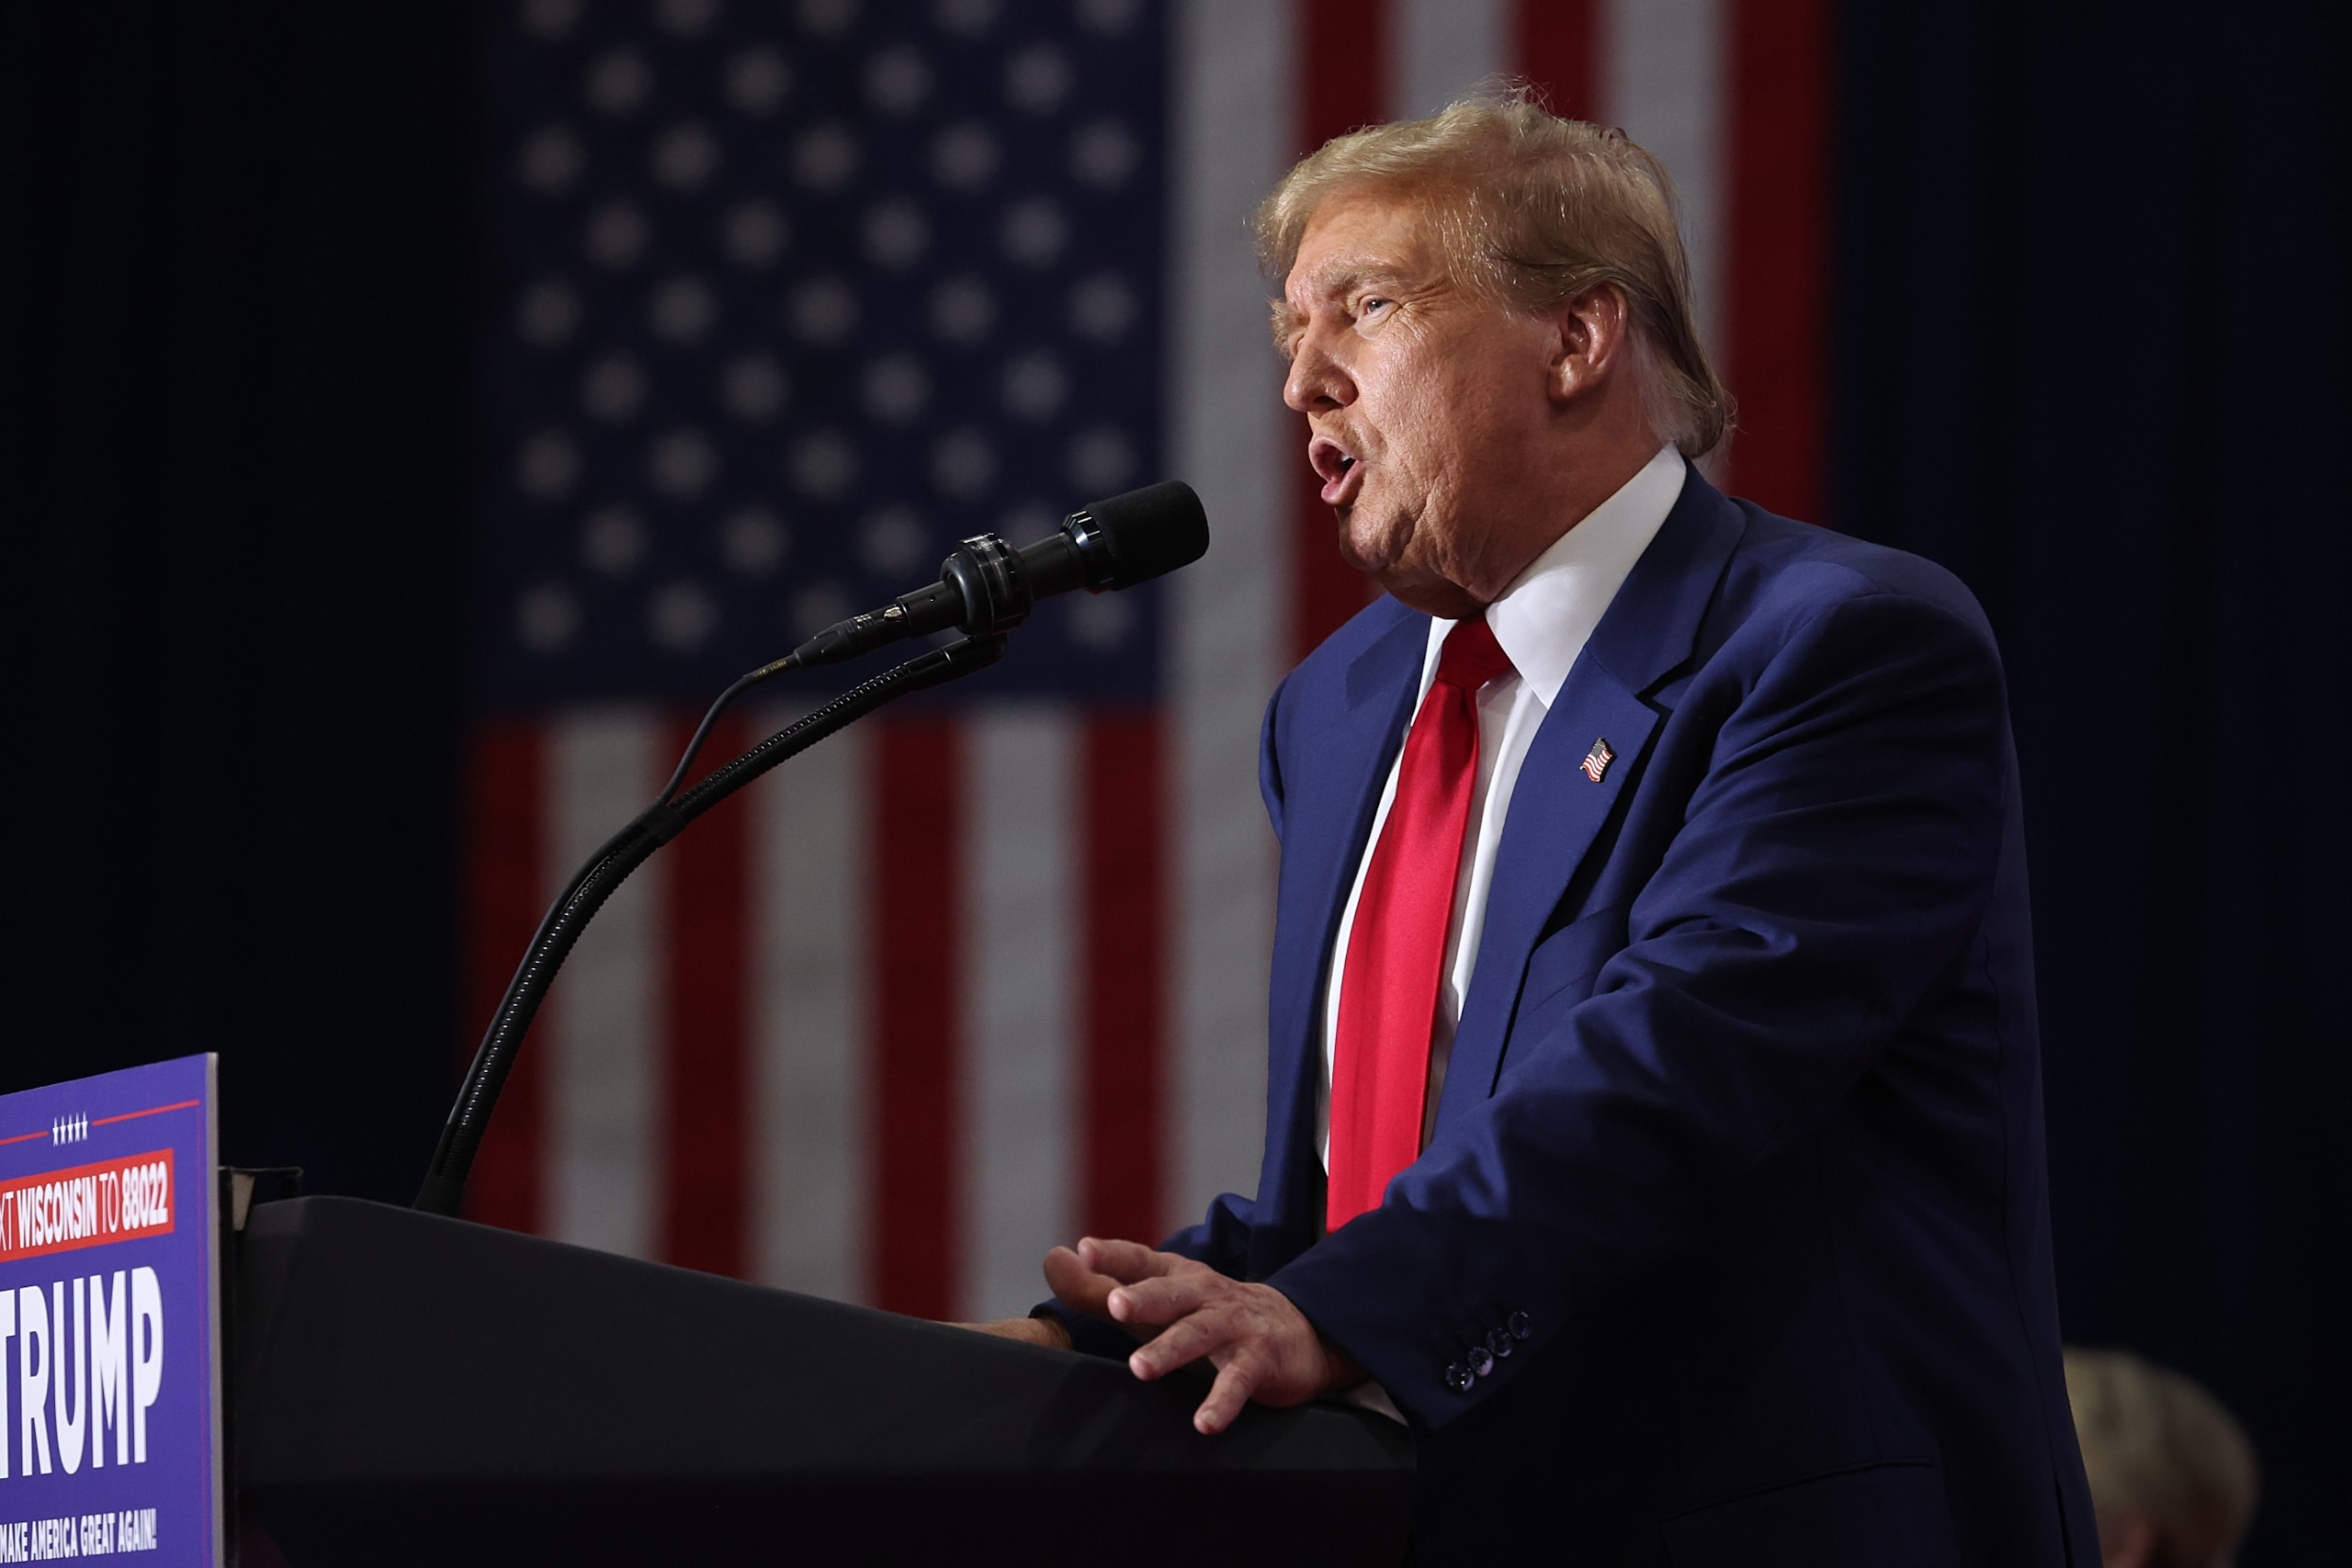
(1202, 1333)
(1084, 1289)
(1068, 1278)
(1162, 1301)
(1125, 1261)
(1236, 1381)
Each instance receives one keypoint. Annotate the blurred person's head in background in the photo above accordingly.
(2173, 1478)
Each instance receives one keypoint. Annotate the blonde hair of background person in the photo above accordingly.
(1531, 212)
(2173, 1478)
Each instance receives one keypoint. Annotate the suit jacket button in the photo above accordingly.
(1481, 1360)
(1501, 1343)
(1457, 1378)
(1520, 1327)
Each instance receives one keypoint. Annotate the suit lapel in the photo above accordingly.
(1333, 776)
(1557, 810)
(1557, 807)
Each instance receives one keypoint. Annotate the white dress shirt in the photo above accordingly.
(1542, 621)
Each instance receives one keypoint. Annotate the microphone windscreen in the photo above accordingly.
(1149, 532)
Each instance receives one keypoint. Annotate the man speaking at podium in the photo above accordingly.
(1655, 1117)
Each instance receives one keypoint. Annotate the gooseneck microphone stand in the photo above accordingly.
(444, 1191)
(986, 589)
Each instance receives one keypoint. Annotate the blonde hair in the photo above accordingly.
(1533, 211)
(2158, 1445)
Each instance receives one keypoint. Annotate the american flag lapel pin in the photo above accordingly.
(1597, 761)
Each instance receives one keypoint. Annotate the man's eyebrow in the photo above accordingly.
(1337, 281)
(1345, 276)
(1286, 321)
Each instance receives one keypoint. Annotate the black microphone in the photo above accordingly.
(986, 587)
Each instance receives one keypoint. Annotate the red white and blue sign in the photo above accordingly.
(110, 1292)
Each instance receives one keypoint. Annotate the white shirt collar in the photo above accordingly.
(1548, 614)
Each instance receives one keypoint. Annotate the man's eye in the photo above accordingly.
(1372, 305)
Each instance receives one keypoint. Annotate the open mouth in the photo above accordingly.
(1336, 466)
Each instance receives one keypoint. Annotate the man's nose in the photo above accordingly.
(1316, 379)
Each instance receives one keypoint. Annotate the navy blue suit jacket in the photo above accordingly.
(1735, 1204)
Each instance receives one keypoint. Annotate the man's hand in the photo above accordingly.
(1262, 1346)
(1046, 1331)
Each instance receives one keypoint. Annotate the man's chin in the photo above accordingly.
(1432, 596)
(1380, 553)
(1366, 546)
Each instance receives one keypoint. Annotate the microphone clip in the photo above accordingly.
(990, 578)
(987, 587)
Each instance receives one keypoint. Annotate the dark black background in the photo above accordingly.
(2092, 339)
(237, 317)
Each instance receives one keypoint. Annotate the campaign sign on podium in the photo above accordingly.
(109, 1293)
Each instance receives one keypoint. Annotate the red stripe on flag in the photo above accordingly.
(506, 894)
(1558, 49)
(706, 939)
(1123, 974)
(1343, 63)
(1343, 69)
(916, 946)
(1778, 255)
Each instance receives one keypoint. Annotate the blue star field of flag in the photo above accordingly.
(794, 294)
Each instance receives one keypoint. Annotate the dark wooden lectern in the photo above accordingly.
(409, 1389)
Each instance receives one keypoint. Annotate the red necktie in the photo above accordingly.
(1396, 949)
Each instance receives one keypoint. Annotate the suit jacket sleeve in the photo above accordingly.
(1836, 856)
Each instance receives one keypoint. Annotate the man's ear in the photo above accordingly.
(1590, 341)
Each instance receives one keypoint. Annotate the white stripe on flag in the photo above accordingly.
(810, 1041)
(605, 1087)
(1231, 93)
(1444, 48)
(1020, 877)
(1664, 79)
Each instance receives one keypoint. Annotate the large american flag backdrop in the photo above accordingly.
(792, 295)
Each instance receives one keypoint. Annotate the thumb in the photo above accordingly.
(1126, 1261)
